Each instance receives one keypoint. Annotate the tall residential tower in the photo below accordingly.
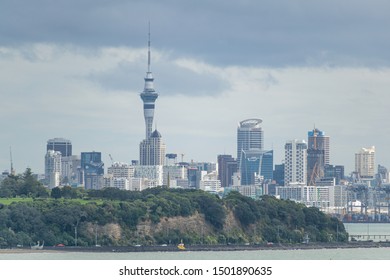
(295, 162)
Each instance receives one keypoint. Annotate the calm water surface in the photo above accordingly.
(308, 254)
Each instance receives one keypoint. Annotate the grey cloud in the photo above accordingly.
(251, 32)
(170, 79)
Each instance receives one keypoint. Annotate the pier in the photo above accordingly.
(370, 237)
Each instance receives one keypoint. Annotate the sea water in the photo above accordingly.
(380, 253)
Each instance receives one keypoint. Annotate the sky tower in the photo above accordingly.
(149, 96)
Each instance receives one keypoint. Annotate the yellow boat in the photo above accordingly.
(181, 246)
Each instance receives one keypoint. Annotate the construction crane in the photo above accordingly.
(12, 164)
(112, 160)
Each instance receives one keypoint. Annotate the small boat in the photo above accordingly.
(38, 246)
(181, 246)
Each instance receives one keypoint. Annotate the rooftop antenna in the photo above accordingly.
(149, 70)
(12, 164)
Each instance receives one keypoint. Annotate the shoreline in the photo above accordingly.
(190, 248)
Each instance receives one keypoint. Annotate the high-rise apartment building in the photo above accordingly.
(317, 155)
(365, 162)
(295, 162)
(152, 150)
(249, 136)
(61, 145)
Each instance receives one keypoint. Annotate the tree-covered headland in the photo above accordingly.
(72, 216)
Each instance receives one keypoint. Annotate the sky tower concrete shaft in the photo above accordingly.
(149, 96)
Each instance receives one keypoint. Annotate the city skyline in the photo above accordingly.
(82, 84)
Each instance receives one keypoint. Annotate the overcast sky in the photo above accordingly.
(74, 69)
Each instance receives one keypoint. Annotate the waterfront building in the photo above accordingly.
(365, 162)
(249, 136)
(295, 166)
(328, 198)
(64, 146)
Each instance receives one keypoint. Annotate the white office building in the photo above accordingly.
(154, 174)
(70, 167)
(53, 169)
(121, 170)
(174, 173)
(210, 182)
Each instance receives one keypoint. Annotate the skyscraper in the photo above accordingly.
(317, 155)
(365, 162)
(319, 141)
(227, 166)
(92, 168)
(53, 168)
(295, 165)
(249, 136)
(149, 96)
(152, 150)
(256, 165)
(61, 145)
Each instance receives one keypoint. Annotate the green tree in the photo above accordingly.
(56, 193)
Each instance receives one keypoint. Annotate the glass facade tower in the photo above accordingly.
(249, 136)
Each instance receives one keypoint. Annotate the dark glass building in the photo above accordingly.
(334, 171)
(92, 169)
(250, 135)
(61, 145)
(227, 166)
(256, 163)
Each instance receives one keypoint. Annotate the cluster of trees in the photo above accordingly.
(24, 185)
(114, 217)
